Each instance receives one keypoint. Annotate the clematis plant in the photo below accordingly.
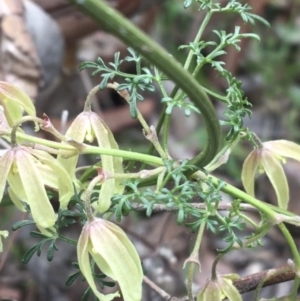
(268, 158)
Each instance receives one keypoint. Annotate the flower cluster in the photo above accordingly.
(29, 170)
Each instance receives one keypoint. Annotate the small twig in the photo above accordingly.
(221, 207)
(251, 282)
(157, 289)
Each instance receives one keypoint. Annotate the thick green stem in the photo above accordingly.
(115, 23)
(90, 149)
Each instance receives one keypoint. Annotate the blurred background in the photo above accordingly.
(42, 44)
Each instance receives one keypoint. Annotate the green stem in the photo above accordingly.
(296, 256)
(214, 266)
(239, 194)
(68, 240)
(194, 259)
(166, 130)
(89, 99)
(197, 39)
(115, 23)
(89, 149)
(14, 133)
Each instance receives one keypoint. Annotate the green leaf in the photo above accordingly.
(21, 224)
(71, 279)
(27, 256)
(50, 252)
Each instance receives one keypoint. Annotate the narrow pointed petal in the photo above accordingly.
(63, 180)
(17, 199)
(230, 290)
(84, 264)
(117, 161)
(284, 148)
(276, 175)
(108, 187)
(122, 236)
(41, 209)
(116, 261)
(76, 131)
(249, 170)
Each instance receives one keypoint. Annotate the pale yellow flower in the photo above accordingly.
(27, 172)
(268, 159)
(220, 288)
(88, 126)
(115, 256)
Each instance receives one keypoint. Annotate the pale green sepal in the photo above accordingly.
(76, 131)
(16, 200)
(84, 264)
(249, 170)
(211, 292)
(14, 101)
(118, 163)
(5, 165)
(108, 186)
(3, 233)
(116, 261)
(63, 180)
(41, 209)
(277, 177)
(284, 148)
(230, 291)
(128, 245)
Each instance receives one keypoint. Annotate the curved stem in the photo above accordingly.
(114, 22)
(14, 134)
(89, 99)
(286, 233)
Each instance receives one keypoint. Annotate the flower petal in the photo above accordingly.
(211, 292)
(63, 180)
(284, 148)
(249, 170)
(117, 161)
(41, 209)
(5, 165)
(276, 175)
(16, 199)
(116, 261)
(76, 131)
(14, 101)
(108, 187)
(84, 264)
(230, 290)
